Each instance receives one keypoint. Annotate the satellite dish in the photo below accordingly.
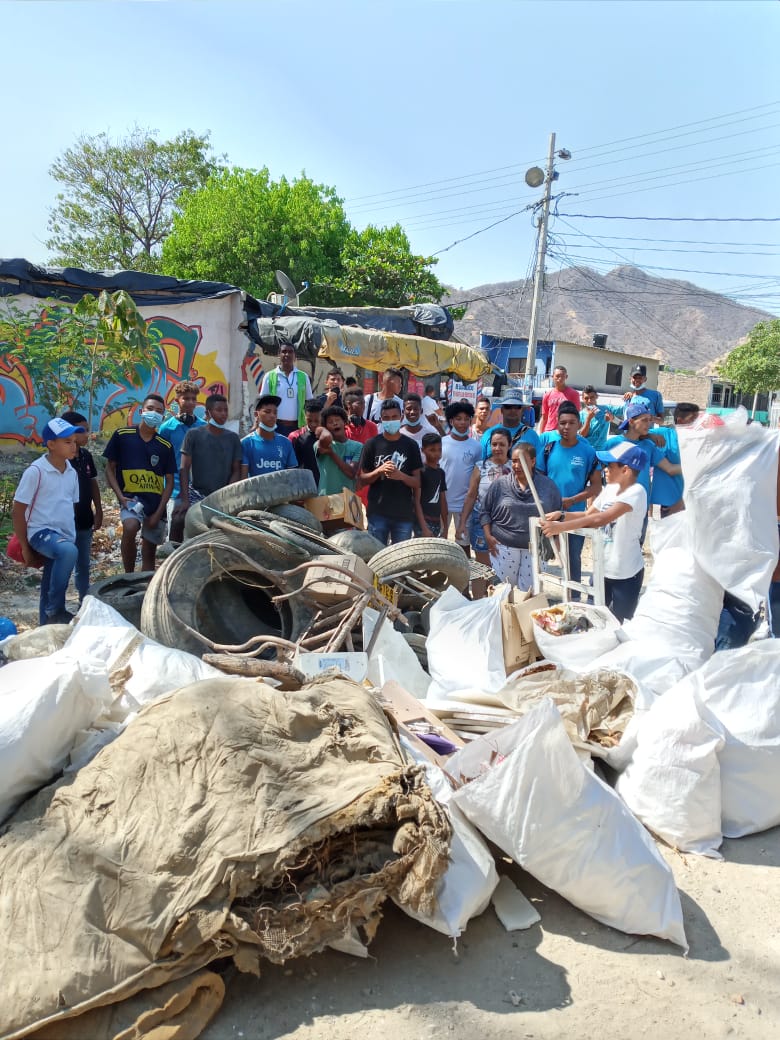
(533, 178)
(286, 285)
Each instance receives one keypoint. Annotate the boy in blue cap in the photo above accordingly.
(620, 510)
(43, 517)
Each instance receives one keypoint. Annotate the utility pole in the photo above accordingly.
(541, 250)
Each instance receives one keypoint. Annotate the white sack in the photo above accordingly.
(738, 695)
(465, 644)
(680, 608)
(730, 472)
(651, 663)
(672, 783)
(563, 825)
(578, 651)
(471, 878)
(393, 658)
(44, 702)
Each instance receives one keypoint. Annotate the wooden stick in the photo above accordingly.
(540, 508)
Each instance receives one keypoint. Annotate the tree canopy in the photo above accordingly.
(754, 366)
(241, 227)
(118, 197)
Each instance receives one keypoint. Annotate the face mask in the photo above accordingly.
(412, 425)
(391, 425)
(152, 419)
(219, 425)
(268, 429)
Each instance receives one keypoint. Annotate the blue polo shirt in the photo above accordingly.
(265, 456)
(567, 468)
(653, 453)
(174, 430)
(529, 437)
(652, 398)
(599, 427)
(667, 490)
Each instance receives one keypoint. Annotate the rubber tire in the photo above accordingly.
(261, 492)
(298, 515)
(201, 585)
(361, 543)
(194, 524)
(304, 539)
(124, 592)
(438, 562)
(417, 643)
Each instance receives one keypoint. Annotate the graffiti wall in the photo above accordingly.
(197, 340)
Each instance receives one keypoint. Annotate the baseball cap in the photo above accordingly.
(56, 428)
(626, 454)
(267, 399)
(633, 411)
(514, 398)
(639, 370)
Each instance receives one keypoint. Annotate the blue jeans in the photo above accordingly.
(84, 547)
(622, 595)
(388, 530)
(61, 558)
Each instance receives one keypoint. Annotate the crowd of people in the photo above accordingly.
(474, 474)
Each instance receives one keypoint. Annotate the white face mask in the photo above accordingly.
(152, 419)
(219, 425)
(391, 425)
(268, 429)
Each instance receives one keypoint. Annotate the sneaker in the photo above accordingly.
(62, 617)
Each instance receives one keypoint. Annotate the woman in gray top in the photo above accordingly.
(506, 509)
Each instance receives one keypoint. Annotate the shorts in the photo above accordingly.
(453, 527)
(155, 535)
(478, 543)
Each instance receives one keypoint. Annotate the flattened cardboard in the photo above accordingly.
(517, 629)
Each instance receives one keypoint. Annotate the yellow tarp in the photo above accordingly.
(376, 351)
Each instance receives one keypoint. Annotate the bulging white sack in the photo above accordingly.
(465, 644)
(738, 695)
(559, 822)
(730, 471)
(672, 783)
(578, 651)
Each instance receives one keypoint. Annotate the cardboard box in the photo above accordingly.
(326, 586)
(345, 506)
(517, 629)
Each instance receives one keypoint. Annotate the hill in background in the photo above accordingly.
(681, 324)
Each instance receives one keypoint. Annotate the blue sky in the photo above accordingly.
(428, 113)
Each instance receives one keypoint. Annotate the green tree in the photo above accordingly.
(381, 270)
(242, 226)
(118, 198)
(754, 366)
(72, 350)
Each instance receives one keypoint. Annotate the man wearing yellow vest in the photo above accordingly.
(293, 388)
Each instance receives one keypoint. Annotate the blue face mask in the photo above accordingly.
(219, 425)
(391, 425)
(152, 419)
(268, 429)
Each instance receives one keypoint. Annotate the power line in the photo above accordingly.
(481, 230)
(695, 220)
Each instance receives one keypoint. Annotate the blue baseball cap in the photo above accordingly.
(633, 411)
(625, 454)
(56, 428)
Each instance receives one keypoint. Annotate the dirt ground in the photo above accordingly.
(573, 977)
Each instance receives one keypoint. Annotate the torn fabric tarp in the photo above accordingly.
(229, 819)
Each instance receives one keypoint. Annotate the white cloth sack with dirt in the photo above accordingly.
(527, 791)
(471, 877)
(44, 703)
(579, 650)
(228, 820)
(672, 782)
(680, 608)
(465, 644)
(730, 472)
(393, 658)
(738, 695)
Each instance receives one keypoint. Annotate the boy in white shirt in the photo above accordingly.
(620, 510)
(43, 517)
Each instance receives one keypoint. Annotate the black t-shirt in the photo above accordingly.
(86, 471)
(432, 483)
(386, 497)
(303, 446)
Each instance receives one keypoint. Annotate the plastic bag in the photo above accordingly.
(672, 783)
(578, 651)
(532, 797)
(730, 475)
(465, 645)
(393, 658)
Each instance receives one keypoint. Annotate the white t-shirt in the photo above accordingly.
(53, 499)
(287, 390)
(419, 433)
(429, 406)
(622, 551)
(458, 459)
(373, 409)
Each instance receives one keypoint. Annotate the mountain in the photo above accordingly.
(681, 324)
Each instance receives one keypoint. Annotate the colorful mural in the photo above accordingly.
(176, 357)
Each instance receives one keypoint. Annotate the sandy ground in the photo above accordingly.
(574, 977)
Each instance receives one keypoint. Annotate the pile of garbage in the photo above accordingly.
(298, 728)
